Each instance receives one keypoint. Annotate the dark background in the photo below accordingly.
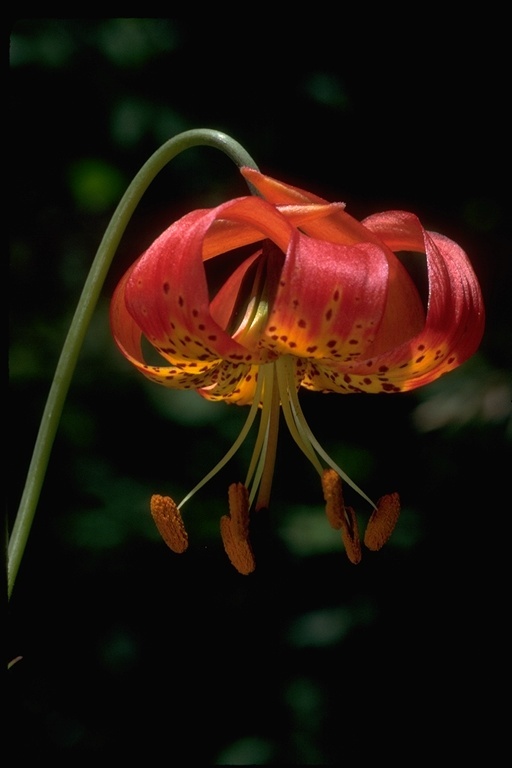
(129, 650)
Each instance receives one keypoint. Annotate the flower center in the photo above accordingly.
(241, 305)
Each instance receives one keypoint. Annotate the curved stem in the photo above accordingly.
(83, 314)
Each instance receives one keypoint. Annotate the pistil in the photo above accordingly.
(265, 449)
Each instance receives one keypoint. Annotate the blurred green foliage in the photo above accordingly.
(128, 649)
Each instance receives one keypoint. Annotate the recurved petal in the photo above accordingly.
(454, 323)
(455, 316)
(330, 300)
(226, 234)
(125, 331)
(337, 227)
(166, 294)
(215, 378)
(232, 384)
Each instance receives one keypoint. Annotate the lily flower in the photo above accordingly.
(253, 299)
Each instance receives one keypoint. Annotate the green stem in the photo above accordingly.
(83, 314)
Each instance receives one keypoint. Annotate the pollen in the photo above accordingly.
(234, 530)
(350, 536)
(339, 516)
(169, 522)
(333, 495)
(382, 522)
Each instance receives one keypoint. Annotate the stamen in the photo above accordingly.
(333, 495)
(350, 535)
(286, 380)
(253, 411)
(382, 522)
(169, 522)
(239, 510)
(270, 419)
(340, 516)
(234, 530)
(308, 442)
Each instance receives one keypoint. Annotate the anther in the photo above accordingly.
(234, 530)
(333, 495)
(339, 516)
(169, 522)
(350, 535)
(382, 522)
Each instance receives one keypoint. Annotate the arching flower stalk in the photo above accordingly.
(315, 299)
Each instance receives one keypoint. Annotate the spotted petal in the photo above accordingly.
(455, 316)
(164, 296)
(403, 315)
(330, 301)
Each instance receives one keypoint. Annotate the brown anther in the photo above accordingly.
(333, 495)
(350, 535)
(238, 497)
(169, 522)
(339, 516)
(382, 522)
(234, 530)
